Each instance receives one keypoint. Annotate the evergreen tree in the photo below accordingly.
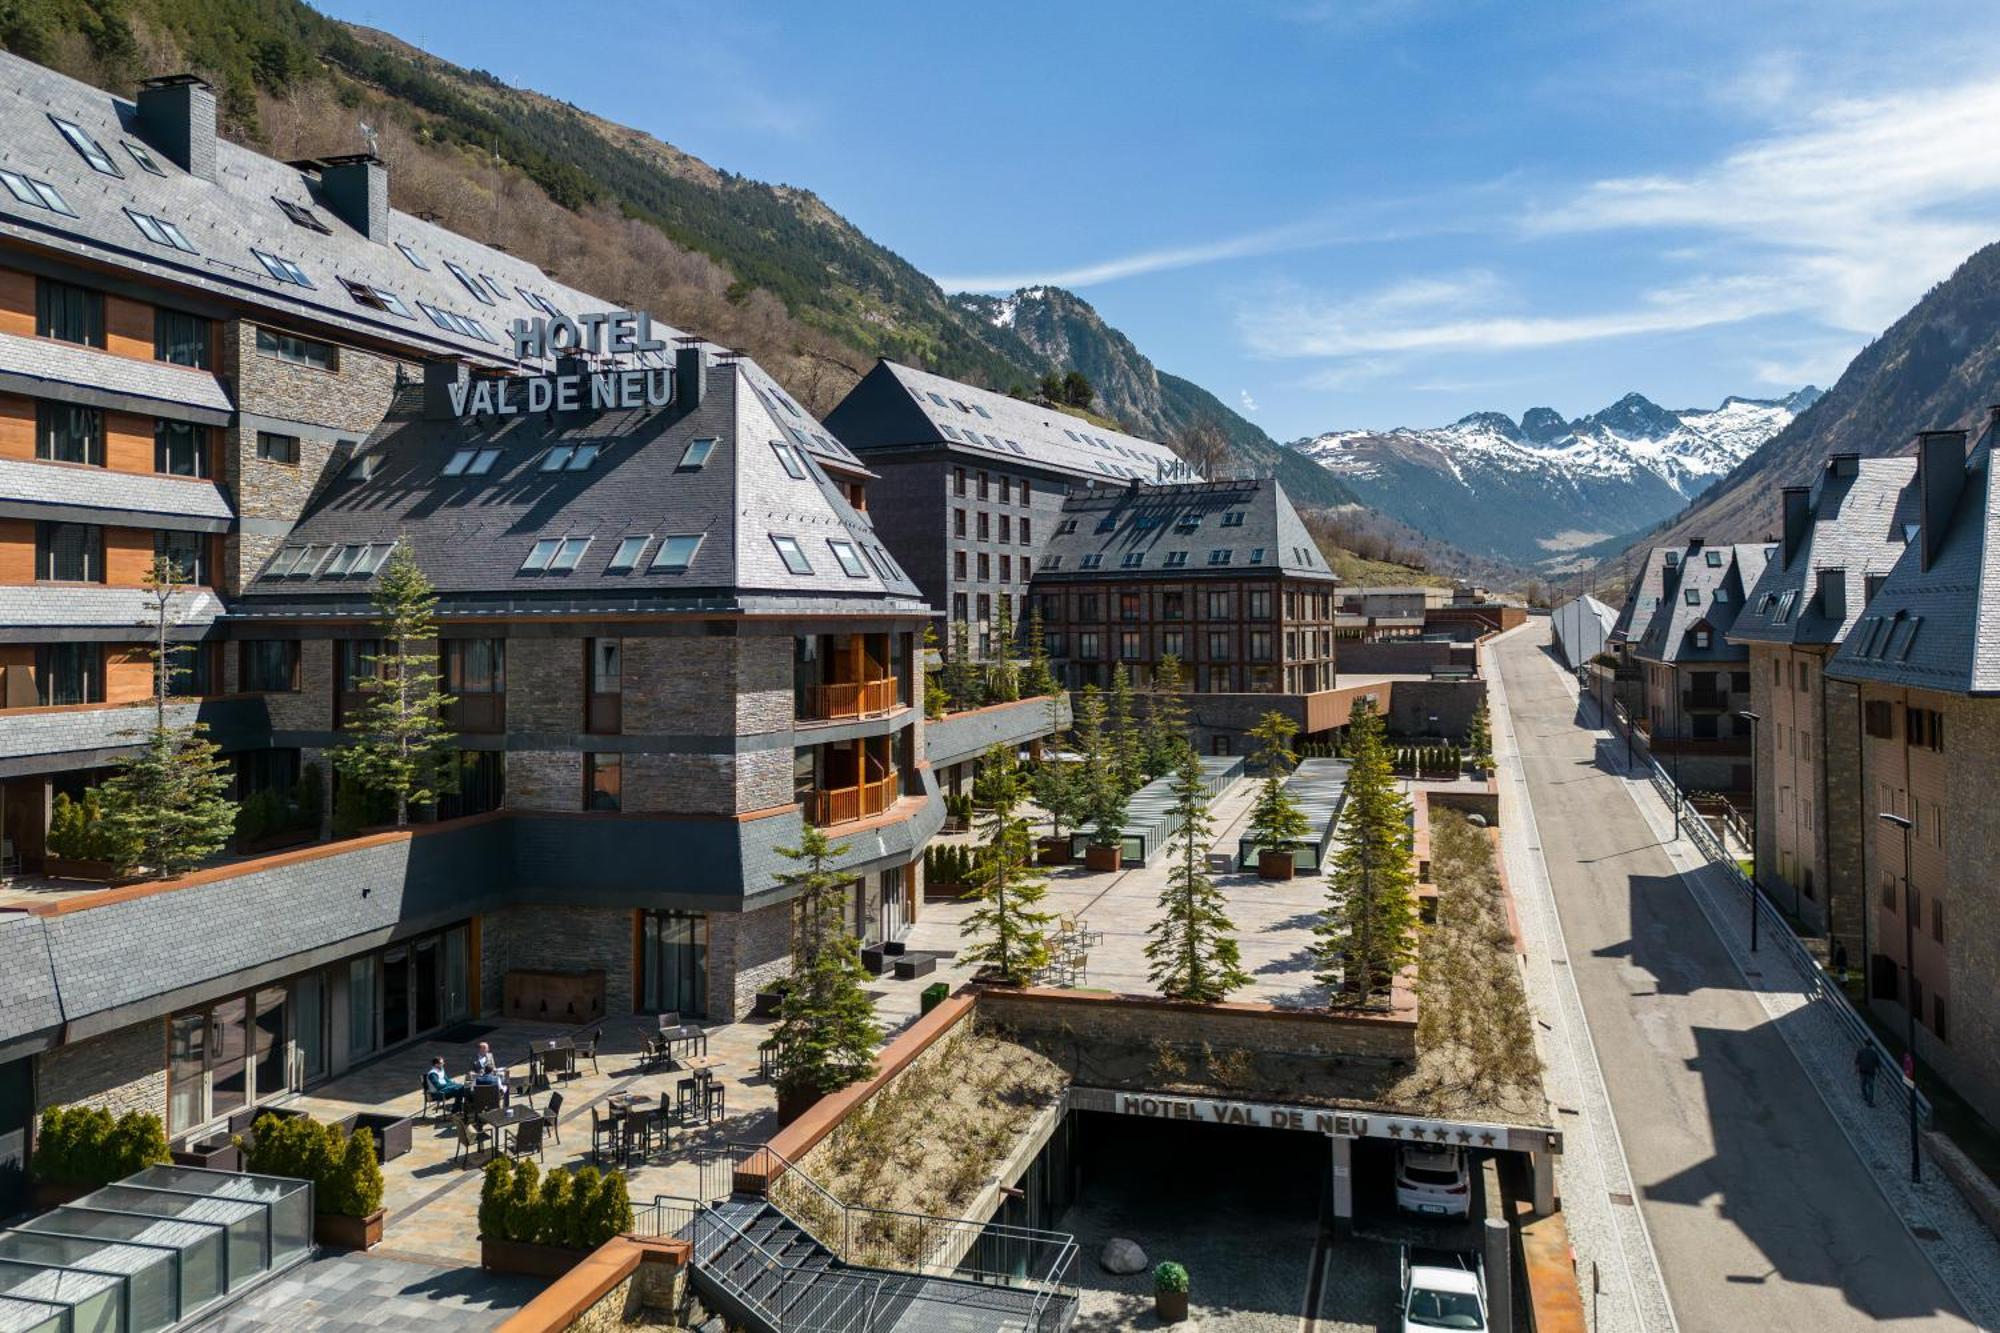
(1003, 677)
(1101, 801)
(1060, 788)
(1128, 751)
(401, 744)
(935, 695)
(1166, 718)
(1479, 740)
(1193, 952)
(1007, 932)
(961, 674)
(167, 807)
(826, 1033)
(1367, 933)
(1076, 390)
(1039, 679)
(1276, 821)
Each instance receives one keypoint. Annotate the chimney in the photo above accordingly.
(440, 378)
(355, 188)
(690, 375)
(1833, 594)
(1798, 514)
(1844, 465)
(177, 116)
(1940, 479)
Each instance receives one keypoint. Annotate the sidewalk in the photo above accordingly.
(1965, 1255)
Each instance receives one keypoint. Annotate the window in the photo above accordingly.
(182, 339)
(985, 485)
(160, 231)
(1701, 638)
(1260, 645)
(283, 269)
(676, 553)
(958, 522)
(1064, 528)
(87, 147)
(1173, 642)
(269, 666)
(1087, 606)
(1187, 522)
(1218, 645)
(1092, 560)
(1692, 597)
(298, 351)
(1026, 539)
(958, 565)
(416, 261)
(188, 551)
(628, 553)
(1128, 605)
(1006, 569)
(958, 606)
(376, 298)
(696, 455)
(958, 481)
(35, 194)
(1176, 559)
(69, 552)
(850, 562)
(789, 552)
(1879, 719)
(1087, 646)
(466, 281)
(985, 565)
(1052, 562)
(275, 448)
(1173, 606)
(788, 460)
(1218, 606)
(602, 781)
(475, 676)
(65, 433)
(985, 525)
(180, 449)
(1128, 645)
(71, 314)
(1006, 528)
(471, 462)
(1220, 556)
(1256, 555)
(1260, 604)
(1924, 728)
(70, 673)
(567, 553)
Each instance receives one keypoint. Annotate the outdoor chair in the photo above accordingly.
(590, 1052)
(687, 1105)
(526, 1138)
(485, 1097)
(713, 1101)
(435, 1103)
(471, 1139)
(767, 1056)
(638, 1130)
(669, 1021)
(522, 1086)
(603, 1134)
(552, 1116)
(560, 1062)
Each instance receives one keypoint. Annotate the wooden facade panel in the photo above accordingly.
(128, 442)
(17, 551)
(128, 674)
(17, 303)
(128, 556)
(128, 327)
(17, 676)
(17, 426)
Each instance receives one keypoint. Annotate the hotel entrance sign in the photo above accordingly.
(612, 332)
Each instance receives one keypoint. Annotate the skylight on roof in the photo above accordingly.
(87, 147)
(1714, 559)
(568, 552)
(1133, 559)
(283, 269)
(376, 298)
(302, 215)
(676, 553)
(1220, 555)
(788, 459)
(493, 285)
(850, 563)
(585, 455)
(1093, 559)
(1693, 597)
(159, 231)
(540, 554)
(697, 454)
(936, 398)
(1017, 448)
(789, 552)
(1065, 527)
(1052, 562)
(1187, 522)
(1256, 555)
(416, 260)
(467, 281)
(142, 157)
(628, 553)
(1233, 519)
(950, 434)
(35, 194)
(982, 411)
(875, 558)
(1175, 559)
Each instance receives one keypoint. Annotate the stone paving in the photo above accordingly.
(349, 1293)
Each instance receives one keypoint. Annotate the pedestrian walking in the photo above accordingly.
(1866, 1062)
(1840, 962)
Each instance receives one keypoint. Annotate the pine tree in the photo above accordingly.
(167, 807)
(1479, 739)
(826, 1034)
(1128, 757)
(1166, 718)
(1007, 932)
(1276, 821)
(1367, 933)
(935, 694)
(1060, 788)
(1039, 679)
(1193, 952)
(961, 674)
(401, 741)
(1101, 802)
(1003, 677)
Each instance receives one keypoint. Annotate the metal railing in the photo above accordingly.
(792, 1299)
(1819, 987)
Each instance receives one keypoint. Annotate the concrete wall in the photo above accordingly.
(1395, 656)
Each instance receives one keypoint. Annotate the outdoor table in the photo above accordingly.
(692, 1035)
(703, 1066)
(508, 1117)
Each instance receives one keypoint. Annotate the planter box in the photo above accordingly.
(391, 1133)
(62, 867)
(767, 1004)
(48, 1194)
(932, 996)
(275, 842)
(1099, 857)
(1275, 865)
(792, 1105)
(873, 960)
(945, 889)
(528, 1258)
(1057, 852)
(1170, 1306)
(214, 1154)
(349, 1233)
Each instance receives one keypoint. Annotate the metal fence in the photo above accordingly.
(1819, 987)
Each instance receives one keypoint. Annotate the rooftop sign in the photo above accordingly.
(609, 333)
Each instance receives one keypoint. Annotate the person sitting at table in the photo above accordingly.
(443, 1085)
(484, 1063)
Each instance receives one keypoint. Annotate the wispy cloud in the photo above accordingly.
(1249, 403)
(1270, 240)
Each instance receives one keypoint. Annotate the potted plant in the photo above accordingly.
(1105, 808)
(347, 1179)
(82, 1148)
(544, 1225)
(1060, 790)
(1170, 1292)
(1276, 821)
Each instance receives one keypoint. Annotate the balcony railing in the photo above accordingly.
(855, 699)
(1704, 701)
(839, 805)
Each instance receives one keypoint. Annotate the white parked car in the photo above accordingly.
(1435, 1180)
(1442, 1291)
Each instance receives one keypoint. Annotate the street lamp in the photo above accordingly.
(1680, 715)
(1909, 983)
(1756, 822)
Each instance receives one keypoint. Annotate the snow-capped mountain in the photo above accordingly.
(1529, 491)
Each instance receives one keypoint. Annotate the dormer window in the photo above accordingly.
(79, 139)
(1701, 638)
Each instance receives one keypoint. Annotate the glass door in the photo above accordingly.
(309, 1024)
(395, 996)
(428, 984)
(676, 963)
(187, 1071)
(893, 919)
(360, 1006)
(457, 998)
(229, 1051)
(270, 1073)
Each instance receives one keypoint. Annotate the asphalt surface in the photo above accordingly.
(1760, 1213)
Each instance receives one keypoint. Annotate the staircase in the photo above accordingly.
(764, 1272)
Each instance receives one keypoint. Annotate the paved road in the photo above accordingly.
(1762, 1216)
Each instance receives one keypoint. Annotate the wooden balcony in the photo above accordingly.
(866, 698)
(841, 805)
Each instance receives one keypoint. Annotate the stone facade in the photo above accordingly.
(564, 938)
(1788, 691)
(124, 1070)
(544, 780)
(544, 687)
(746, 951)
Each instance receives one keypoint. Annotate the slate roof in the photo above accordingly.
(1938, 628)
(226, 218)
(473, 533)
(44, 606)
(29, 487)
(1716, 576)
(165, 389)
(1645, 596)
(1856, 527)
(28, 1002)
(899, 407)
(1151, 524)
(1581, 626)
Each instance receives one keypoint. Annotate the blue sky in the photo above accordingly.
(1373, 213)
